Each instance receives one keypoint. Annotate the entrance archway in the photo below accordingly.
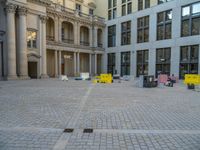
(33, 66)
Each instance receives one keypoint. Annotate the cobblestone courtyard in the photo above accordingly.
(34, 113)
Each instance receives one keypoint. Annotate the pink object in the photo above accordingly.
(162, 78)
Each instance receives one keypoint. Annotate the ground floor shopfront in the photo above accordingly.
(179, 61)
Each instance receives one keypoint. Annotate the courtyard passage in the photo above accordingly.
(34, 114)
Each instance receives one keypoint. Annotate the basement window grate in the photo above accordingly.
(68, 130)
(88, 131)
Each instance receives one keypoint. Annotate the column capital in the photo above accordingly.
(11, 8)
(22, 11)
(43, 18)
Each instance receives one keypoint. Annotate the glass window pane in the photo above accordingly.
(168, 31)
(160, 32)
(146, 35)
(196, 8)
(185, 28)
(160, 18)
(123, 10)
(168, 15)
(186, 11)
(140, 22)
(184, 54)
(196, 26)
(140, 36)
(129, 11)
(194, 53)
(139, 57)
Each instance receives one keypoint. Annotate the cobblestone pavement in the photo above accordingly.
(34, 113)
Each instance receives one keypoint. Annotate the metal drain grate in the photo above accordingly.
(68, 130)
(88, 131)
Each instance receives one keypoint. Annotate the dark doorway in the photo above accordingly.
(32, 70)
(2, 60)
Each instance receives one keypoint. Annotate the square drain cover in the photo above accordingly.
(68, 130)
(88, 131)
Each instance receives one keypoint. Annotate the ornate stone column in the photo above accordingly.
(95, 63)
(59, 63)
(56, 63)
(90, 63)
(11, 41)
(56, 28)
(78, 63)
(74, 63)
(91, 36)
(76, 33)
(95, 36)
(23, 62)
(44, 55)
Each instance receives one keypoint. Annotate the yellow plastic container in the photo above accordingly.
(192, 79)
(104, 78)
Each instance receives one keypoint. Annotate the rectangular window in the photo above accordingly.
(109, 4)
(31, 39)
(147, 4)
(112, 36)
(91, 11)
(78, 7)
(164, 25)
(142, 62)
(189, 58)
(129, 8)
(140, 5)
(125, 63)
(163, 58)
(114, 13)
(126, 33)
(114, 3)
(190, 20)
(123, 10)
(111, 63)
(143, 29)
(109, 14)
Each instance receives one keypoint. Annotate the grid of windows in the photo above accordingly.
(143, 29)
(125, 63)
(189, 60)
(112, 36)
(143, 4)
(111, 63)
(112, 9)
(126, 7)
(190, 20)
(163, 1)
(164, 25)
(163, 57)
(142, 62)
(126, 33)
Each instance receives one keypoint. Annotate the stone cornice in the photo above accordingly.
(92, 5)
(41, 2)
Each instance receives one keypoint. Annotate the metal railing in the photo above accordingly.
(69, 41)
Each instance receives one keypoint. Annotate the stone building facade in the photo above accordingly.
(44, 38)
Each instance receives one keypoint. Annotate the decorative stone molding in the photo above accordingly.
(43, 18)
(11, 8)
(22, 11)
(91, 4)
(41, 2)
(80, 1)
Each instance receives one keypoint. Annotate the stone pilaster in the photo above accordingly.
(44, 55)
(78, 63)
(90, 63)
(11, 41)
(75, 64)
(95, 63)
(22, 57)
(95, 37)
(59, 63)
(56, 63)
(91, 37)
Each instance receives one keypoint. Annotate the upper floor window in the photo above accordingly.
(91, 11)
(164, 25)
(163, 1)
(112, 10)
(190, 20)
(126, 33)
(143, 29)
(143, 4)
(112, 36)
(78, 7)
(126, 7)
(31, 39)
